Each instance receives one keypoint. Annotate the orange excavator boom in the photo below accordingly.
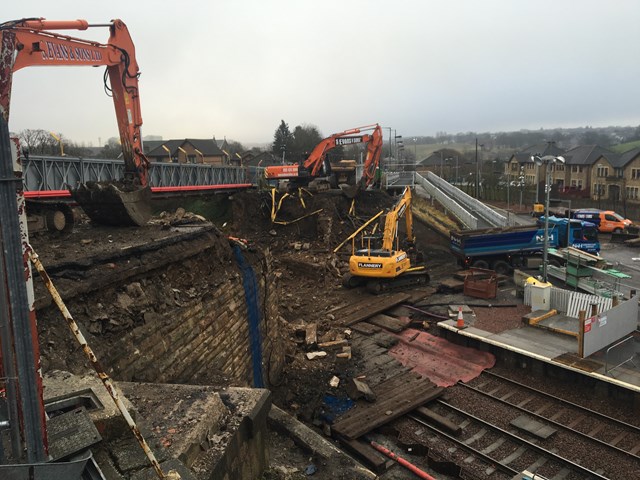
(31, 42)
(312, 166)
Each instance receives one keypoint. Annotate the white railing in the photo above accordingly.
(467, 219)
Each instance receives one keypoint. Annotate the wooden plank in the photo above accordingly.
(396, 396)
(367, 307)
(364, 451)
(439, 420)
(388, 323)
(365, 328)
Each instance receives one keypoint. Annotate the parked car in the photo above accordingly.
(607, 221)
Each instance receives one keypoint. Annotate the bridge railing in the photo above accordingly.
(61, 173)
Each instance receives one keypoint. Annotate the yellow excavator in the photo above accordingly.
(388, 266)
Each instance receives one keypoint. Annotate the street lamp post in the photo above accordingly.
(478, 178)
(508, 197)
(448, 160)
(521, 183)
(477, 171)
(598, 184)
(390, 145)
(415, 149)
(455, 177)
(546, 160)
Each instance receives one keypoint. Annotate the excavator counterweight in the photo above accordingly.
(32, 42)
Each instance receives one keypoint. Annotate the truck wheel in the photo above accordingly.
(501, 267)
(480, 264)
(617, 230)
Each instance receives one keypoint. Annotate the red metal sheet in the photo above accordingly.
(442, 362)
(192, 188)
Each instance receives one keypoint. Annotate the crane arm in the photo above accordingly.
(401, 208)
(29, 42)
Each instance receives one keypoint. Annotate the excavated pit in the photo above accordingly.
(164, 304)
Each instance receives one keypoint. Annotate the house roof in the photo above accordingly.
(207, 146)
(172, 145)
(150, 145)
(588, 155)
(547, 148)
(626, 157)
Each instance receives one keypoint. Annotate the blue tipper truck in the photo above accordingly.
(503, 248)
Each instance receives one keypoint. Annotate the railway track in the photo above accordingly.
(507, 427)
(607, 432)
(486, 451)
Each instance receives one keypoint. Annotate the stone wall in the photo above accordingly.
(179, 317)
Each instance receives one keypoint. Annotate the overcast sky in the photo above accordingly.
(235, 68)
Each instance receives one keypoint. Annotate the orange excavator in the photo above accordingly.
(30, 42)
(316, 165)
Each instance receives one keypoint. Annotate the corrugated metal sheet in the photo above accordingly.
(440, 361)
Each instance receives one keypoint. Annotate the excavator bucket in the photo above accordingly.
(114, 203)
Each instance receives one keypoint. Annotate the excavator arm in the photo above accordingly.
(30, 42)
(312, 166)
(400, 209)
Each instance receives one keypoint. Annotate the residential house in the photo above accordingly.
(223, 145)
(189, 150)
(587, 169)
(520, 164)
(626, 180)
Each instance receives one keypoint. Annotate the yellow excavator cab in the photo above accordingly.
(538, 210)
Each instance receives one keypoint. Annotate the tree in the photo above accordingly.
(39, 142)
(282, 140)
(305, 138)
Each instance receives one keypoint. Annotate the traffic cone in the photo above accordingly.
(460, 320)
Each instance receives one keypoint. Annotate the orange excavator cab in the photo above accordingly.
(32, 42)
(312, 168)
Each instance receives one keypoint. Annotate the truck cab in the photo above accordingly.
(575, 233)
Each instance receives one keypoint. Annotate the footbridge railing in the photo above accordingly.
(472, 205)
(467, 219)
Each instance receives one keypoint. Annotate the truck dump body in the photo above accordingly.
(501, 241)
